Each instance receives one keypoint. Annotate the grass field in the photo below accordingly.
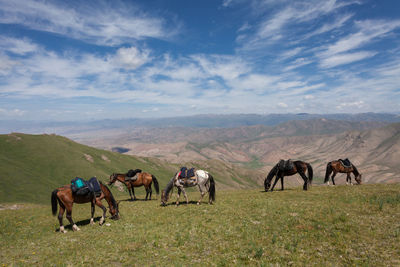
(326, 226)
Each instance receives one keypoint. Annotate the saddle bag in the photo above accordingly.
(94, 186)
(132, 173)
(79, 186)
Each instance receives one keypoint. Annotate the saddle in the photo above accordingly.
(346, 163)
(285, 165)
(80, 187)
(132, 175)
(187, 177)
(186, 173)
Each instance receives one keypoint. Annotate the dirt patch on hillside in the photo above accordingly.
(89, 158)
(10, 207)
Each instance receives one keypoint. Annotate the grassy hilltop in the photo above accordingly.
(32, 166)
(325, 226)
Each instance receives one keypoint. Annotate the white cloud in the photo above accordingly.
(272, 28)
(18, 46)
(282, 105)
(12, 112)
(345, 58)
(356, 104)
(95, 22)
(369, 31)
(338, 23)
(131, 57)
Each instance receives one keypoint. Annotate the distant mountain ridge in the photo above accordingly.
(197, 121)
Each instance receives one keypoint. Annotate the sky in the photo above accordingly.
(90, 60)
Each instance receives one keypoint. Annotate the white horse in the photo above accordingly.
(203, 179)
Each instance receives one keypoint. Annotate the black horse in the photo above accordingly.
(288, 168)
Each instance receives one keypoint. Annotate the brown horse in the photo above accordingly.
(63, 195)
(143, 179)
(337, 166)
(288, 168)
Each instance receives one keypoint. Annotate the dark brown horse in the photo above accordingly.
(143, 179)
(337, 166)
(65, 198)
(288, 168)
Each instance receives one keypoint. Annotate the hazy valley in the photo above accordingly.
(372, 145)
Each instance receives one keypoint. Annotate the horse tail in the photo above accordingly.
(212, 188)
(270, 176)
(310, 173)
(156, 185)
(328, 171)
(54, 201)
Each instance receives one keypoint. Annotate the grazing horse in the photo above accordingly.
(143, 179)
(282, 168)
(63, 195)
(337, 166)
(202, 179)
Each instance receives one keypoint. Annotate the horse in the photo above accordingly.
(294, 167)
(203, 180)
(65, 198)
(337, 166)
(143, 179)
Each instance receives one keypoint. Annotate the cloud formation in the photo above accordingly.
(307, 56)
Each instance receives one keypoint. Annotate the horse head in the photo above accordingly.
(164, 198)
(267, 185)
(358, 178)
(115, 211)
(113, 178)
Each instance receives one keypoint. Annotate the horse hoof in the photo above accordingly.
(198, 203)
(75, 228)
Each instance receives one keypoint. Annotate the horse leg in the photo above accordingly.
(305, 186)
(130, 192)
(185, 195)
(333, 178)
(92, 212)
(349, 178)
(276, 180)
(69, 217)
(103, 218)
(150, 191)
(60, 217)
(133, 191)
(282, 183)
(178, 196)
(202, 193)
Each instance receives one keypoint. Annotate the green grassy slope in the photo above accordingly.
(31, 166)
(325, 226)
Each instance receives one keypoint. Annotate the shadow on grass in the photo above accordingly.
(138, 199)
(80, 223)
(278, 190)
(191, 202)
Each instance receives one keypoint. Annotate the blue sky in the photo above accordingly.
(78, 60)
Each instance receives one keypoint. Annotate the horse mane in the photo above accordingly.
(169, 187)
(113, 202)
(355, 171)
(272, 173)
